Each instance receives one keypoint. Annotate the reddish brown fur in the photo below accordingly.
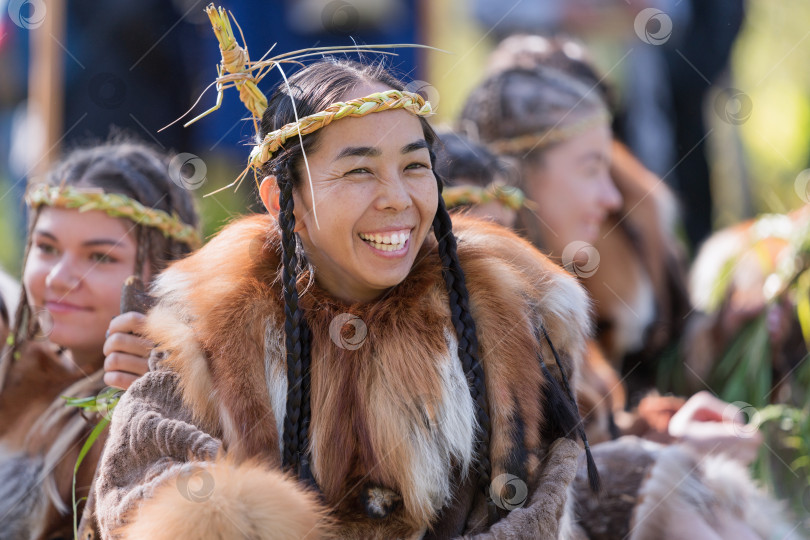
(36, 381)
(361, 434)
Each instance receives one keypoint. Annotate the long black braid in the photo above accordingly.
(297, 338)
(464, 325)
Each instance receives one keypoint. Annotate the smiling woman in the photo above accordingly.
(440, 411)
(80, 250)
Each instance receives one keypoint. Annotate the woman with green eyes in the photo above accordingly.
(101, 215)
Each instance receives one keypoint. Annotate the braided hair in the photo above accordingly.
(313, 89)
(132, 169)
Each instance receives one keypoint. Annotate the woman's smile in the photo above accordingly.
(388, 243)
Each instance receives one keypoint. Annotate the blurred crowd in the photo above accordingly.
(588, 127)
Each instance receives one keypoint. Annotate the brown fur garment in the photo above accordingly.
(40, 439)
(394, 413)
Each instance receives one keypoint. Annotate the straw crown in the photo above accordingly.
(114, 205)
(377, 102)
(509, 196)
(533, 141)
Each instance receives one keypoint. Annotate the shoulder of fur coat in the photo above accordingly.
(220, 320)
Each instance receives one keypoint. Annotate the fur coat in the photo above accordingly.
(194, 446)
(40, 440)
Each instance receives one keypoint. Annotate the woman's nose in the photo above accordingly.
(611, 197)
(393, 194)
(63, 278)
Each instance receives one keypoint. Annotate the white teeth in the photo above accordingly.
(392, 242)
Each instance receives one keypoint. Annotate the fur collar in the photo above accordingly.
(393, 409)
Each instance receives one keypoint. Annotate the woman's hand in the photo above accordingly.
(126, 352)
(710, 425)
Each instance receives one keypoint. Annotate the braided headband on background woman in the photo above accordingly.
(114, 205)
(535, 141)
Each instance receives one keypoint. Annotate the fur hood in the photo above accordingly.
(391, 408)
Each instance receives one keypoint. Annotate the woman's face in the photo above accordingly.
(74, 274)
(572, 188)
(375, 196)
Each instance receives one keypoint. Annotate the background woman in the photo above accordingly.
(80, 250)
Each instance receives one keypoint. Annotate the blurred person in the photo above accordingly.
(560, 131)
(639, 287)
(747, 278)
(102, 214)
(668, 85)
(476, 181)
(479, 183)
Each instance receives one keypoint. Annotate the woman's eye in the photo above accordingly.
(418, 165)
(101, 258)
(46, 249)
(361, 170)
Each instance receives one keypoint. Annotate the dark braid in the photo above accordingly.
(593, 473)
(466, 334)
(295, 330)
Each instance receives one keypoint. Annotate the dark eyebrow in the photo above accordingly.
(89, 243)
(101, 242)
(46, 234)
(359, 151)
(414, 146)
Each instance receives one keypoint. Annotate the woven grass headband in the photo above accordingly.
(543, 139)
(508, 196)
(377, 102)
(114, 205)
